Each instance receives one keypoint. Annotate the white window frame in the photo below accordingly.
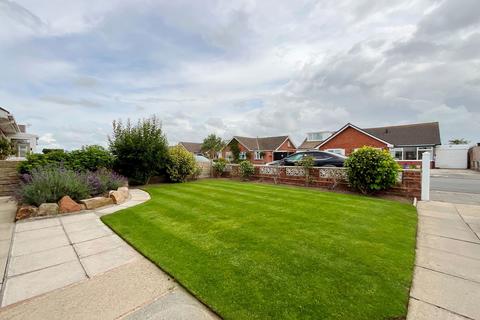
(425, 149)
(242, 155)
(336, 151)
(258, 155)
(393, 150)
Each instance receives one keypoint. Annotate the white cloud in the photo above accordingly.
(242, 67)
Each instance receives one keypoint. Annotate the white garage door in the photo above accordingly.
(451, 156)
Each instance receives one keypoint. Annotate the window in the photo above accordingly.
(242, 155)
(421, 150)
(320, 155)
(337, 151)
(409, 153)
(229, 155)
(258, 155)
(397, 153)
(296, 156)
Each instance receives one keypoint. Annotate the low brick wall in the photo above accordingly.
(409, 180)
(9, 177)
(474, 158)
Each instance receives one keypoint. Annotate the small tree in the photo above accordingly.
(370, 170)
(458, 141)
(212, 144)
(307, 163)
(235, 149)
(141, 150)
(6, 148)
(246, 169)
(181, 164)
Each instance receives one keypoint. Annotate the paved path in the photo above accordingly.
(446, 282)
(75, 267)
(8, 208)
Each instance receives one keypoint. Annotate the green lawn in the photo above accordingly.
(258, 251)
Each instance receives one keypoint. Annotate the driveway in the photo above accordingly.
(455, 186)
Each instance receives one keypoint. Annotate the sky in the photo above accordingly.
(251, 68)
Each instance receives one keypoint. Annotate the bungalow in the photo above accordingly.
(406, 143)
(23, 142)
(193, 147)
(260, 150)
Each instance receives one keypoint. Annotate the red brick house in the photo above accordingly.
(193, 147)
(405, 142)
(260, 150)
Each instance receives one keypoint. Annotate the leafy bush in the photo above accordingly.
(88, 158)
(196, 172)
(181, 164)
(103, 180)
(219, 166)
(6, 148)
(50, 184)
(141, 150)
(246, 169)
(371, 170)
(307, 163)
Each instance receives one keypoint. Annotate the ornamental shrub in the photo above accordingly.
(140, 150)
(6, 148)
(51, 183)
(307, 163)
(370, 170)
(89, 158)
(181, 164)
(219, 166)
(246, 169)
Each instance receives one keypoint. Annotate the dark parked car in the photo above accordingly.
(321, 159)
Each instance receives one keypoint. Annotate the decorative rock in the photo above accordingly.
(47, 209)
(26, 211)
(66, 204)
(124, 191)
(118, 197)
(96, 202)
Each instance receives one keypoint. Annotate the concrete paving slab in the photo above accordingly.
(468, 210)
(33, 235)
(40, 260)
(437, 221)
(440, 215)
(82, 225)
(34, 283)
(107, 296)
(419, 310)
(107, 260)
(89, 234)
(464, 248)
(6, 233)
(131, 203)
(437, 206)
(28, 247)
(4, 248)
(466, 235)
(449, 263)
(91, 247)
(36, 224)
(107, 210)
(72, 218)
(175, 305)
(448, 292)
